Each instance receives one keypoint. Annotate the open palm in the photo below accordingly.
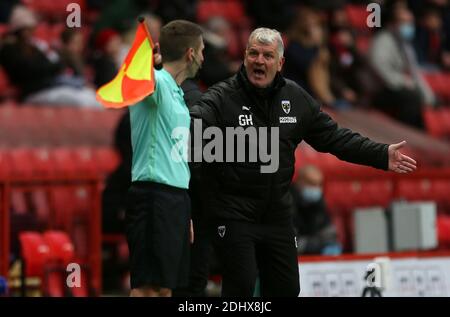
(398, 162)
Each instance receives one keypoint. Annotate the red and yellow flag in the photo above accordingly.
(135, 79)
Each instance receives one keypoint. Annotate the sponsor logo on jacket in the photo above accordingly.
(286, 106)
(288, 120)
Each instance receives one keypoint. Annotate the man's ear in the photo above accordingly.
(190, 54)
(280, 64)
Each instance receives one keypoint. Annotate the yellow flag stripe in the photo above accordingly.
(141, 63)
(112, 91)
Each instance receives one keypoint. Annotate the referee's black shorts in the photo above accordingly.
(157, 229)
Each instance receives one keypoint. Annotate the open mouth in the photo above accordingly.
(259, 72)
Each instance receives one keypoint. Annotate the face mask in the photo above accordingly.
(406, 31)
(311, 194)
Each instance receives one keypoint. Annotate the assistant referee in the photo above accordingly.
(158, 211)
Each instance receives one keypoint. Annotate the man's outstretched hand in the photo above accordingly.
(399, 162)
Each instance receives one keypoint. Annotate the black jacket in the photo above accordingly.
(239, 190)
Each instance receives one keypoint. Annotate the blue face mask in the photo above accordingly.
(407, 31)
(311, 194)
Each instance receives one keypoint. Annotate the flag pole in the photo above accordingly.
(141, 20)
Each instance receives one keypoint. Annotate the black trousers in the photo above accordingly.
(201, 253)
(247, 251)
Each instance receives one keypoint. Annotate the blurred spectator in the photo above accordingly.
(429, 40)
(441, 7)
(316, 233)
(274, 14)
(347, 67)
(108, 47)
(120, 15)
(36, 69)
(217, 65)
(176, 9)
(446, 45)
(404, 92)
(71, 53)
(5, 9)
(326, 5)
(308, 59)
(154, 27)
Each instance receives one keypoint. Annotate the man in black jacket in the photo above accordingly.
(249, 208)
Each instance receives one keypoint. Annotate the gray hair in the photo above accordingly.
(267, 36)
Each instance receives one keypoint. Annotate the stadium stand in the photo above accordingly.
(437, 122)
(53, 10)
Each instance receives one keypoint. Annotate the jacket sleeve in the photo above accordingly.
(207, 109)
(324, 135)
(205, 112)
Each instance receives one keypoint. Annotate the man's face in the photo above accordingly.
(404, 15)
(197, 60)
(262, 62)
(310, 185)
(310, 178)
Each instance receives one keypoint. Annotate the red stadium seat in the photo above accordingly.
(443, 228)
(3, 29)
(43, 164)
(439, 83)
(62, 253)
(357, 16)
(44, 33)
(60, 246)
(363, 43)
(35, 253)
(426, 190)
(344, 196)
(71, 207)
(22, 163)
(232, 10)
(64, 161)
(4, 164)
(31, 163)
(107, 159)
(85, 161)
(7, 90)
(437, 122)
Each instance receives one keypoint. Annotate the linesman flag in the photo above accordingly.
(135, 79)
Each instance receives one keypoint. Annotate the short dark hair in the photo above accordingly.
(176, 37)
